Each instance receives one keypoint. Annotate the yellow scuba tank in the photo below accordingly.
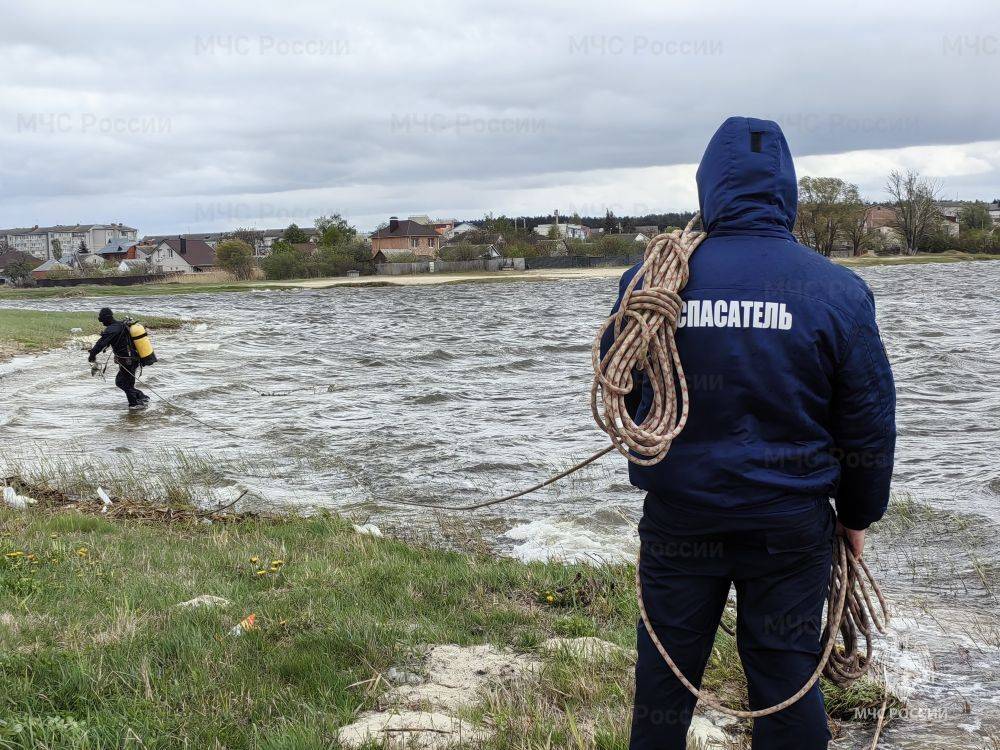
(141, 342)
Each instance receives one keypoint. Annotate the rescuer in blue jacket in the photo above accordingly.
(792, 403)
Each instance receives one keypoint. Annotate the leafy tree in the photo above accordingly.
(610, 225)
(461, 251)
(83, 247)
(610, 246)
(855, 226)
(553, 232)
(521, 249)
(334, 230)
(498, 225)
(285, 262)
(236, 257)
(289, 262)
(295, 234)
(975, 216)
(914, 202)
(57, 249)
(405, 258)
(336, 260)
(20, 270)
(978, 241)
(252, 237)
(827, 205)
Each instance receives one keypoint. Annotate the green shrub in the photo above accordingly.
(235, 257)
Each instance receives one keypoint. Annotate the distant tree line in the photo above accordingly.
(610, 223)
(833, 215)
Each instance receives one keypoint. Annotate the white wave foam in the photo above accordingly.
(573, 540)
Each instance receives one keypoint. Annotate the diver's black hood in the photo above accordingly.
(105, 316)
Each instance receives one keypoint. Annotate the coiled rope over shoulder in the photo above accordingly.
(644, 328)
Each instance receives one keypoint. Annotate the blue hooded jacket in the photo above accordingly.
(791, 395)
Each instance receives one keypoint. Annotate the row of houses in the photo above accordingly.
(170, 255)
(45, 243)
(62, 248)
(262, 240)
(882, 220)
(425, 237)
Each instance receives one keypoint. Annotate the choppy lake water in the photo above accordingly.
(349, 397)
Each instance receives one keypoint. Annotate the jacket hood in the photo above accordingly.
(746, 180)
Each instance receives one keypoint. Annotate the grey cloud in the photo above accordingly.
(384, 99)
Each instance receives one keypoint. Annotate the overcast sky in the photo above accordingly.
(189, 116)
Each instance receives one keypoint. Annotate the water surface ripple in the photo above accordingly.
(349, 397)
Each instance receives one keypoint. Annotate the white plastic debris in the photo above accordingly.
(205, 600)
(105, 500)
(369, 529)
(18, 502)
(76, 330)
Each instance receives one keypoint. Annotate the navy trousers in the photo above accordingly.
(781, 570)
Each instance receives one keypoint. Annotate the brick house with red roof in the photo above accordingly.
(405, 237)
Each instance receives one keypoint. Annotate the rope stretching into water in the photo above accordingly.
(644, 328)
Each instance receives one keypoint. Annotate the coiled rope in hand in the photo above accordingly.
(644, 328)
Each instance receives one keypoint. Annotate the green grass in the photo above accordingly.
(33, 330)
(95, 654)
(89, 632)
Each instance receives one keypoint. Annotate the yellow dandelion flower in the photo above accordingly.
(15, 553)
(277, 562)
(53, 536)
(550, 598)
(255, 559)
(262, 572)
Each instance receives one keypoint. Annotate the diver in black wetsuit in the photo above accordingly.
(117, 337)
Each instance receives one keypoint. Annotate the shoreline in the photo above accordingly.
(194, 286)
(350, 629)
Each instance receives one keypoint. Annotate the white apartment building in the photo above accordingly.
(63, 239)
(564, 231)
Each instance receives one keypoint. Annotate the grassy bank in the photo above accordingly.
(144, 290)
(97, 654)
(33, 330)
(195, 285)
